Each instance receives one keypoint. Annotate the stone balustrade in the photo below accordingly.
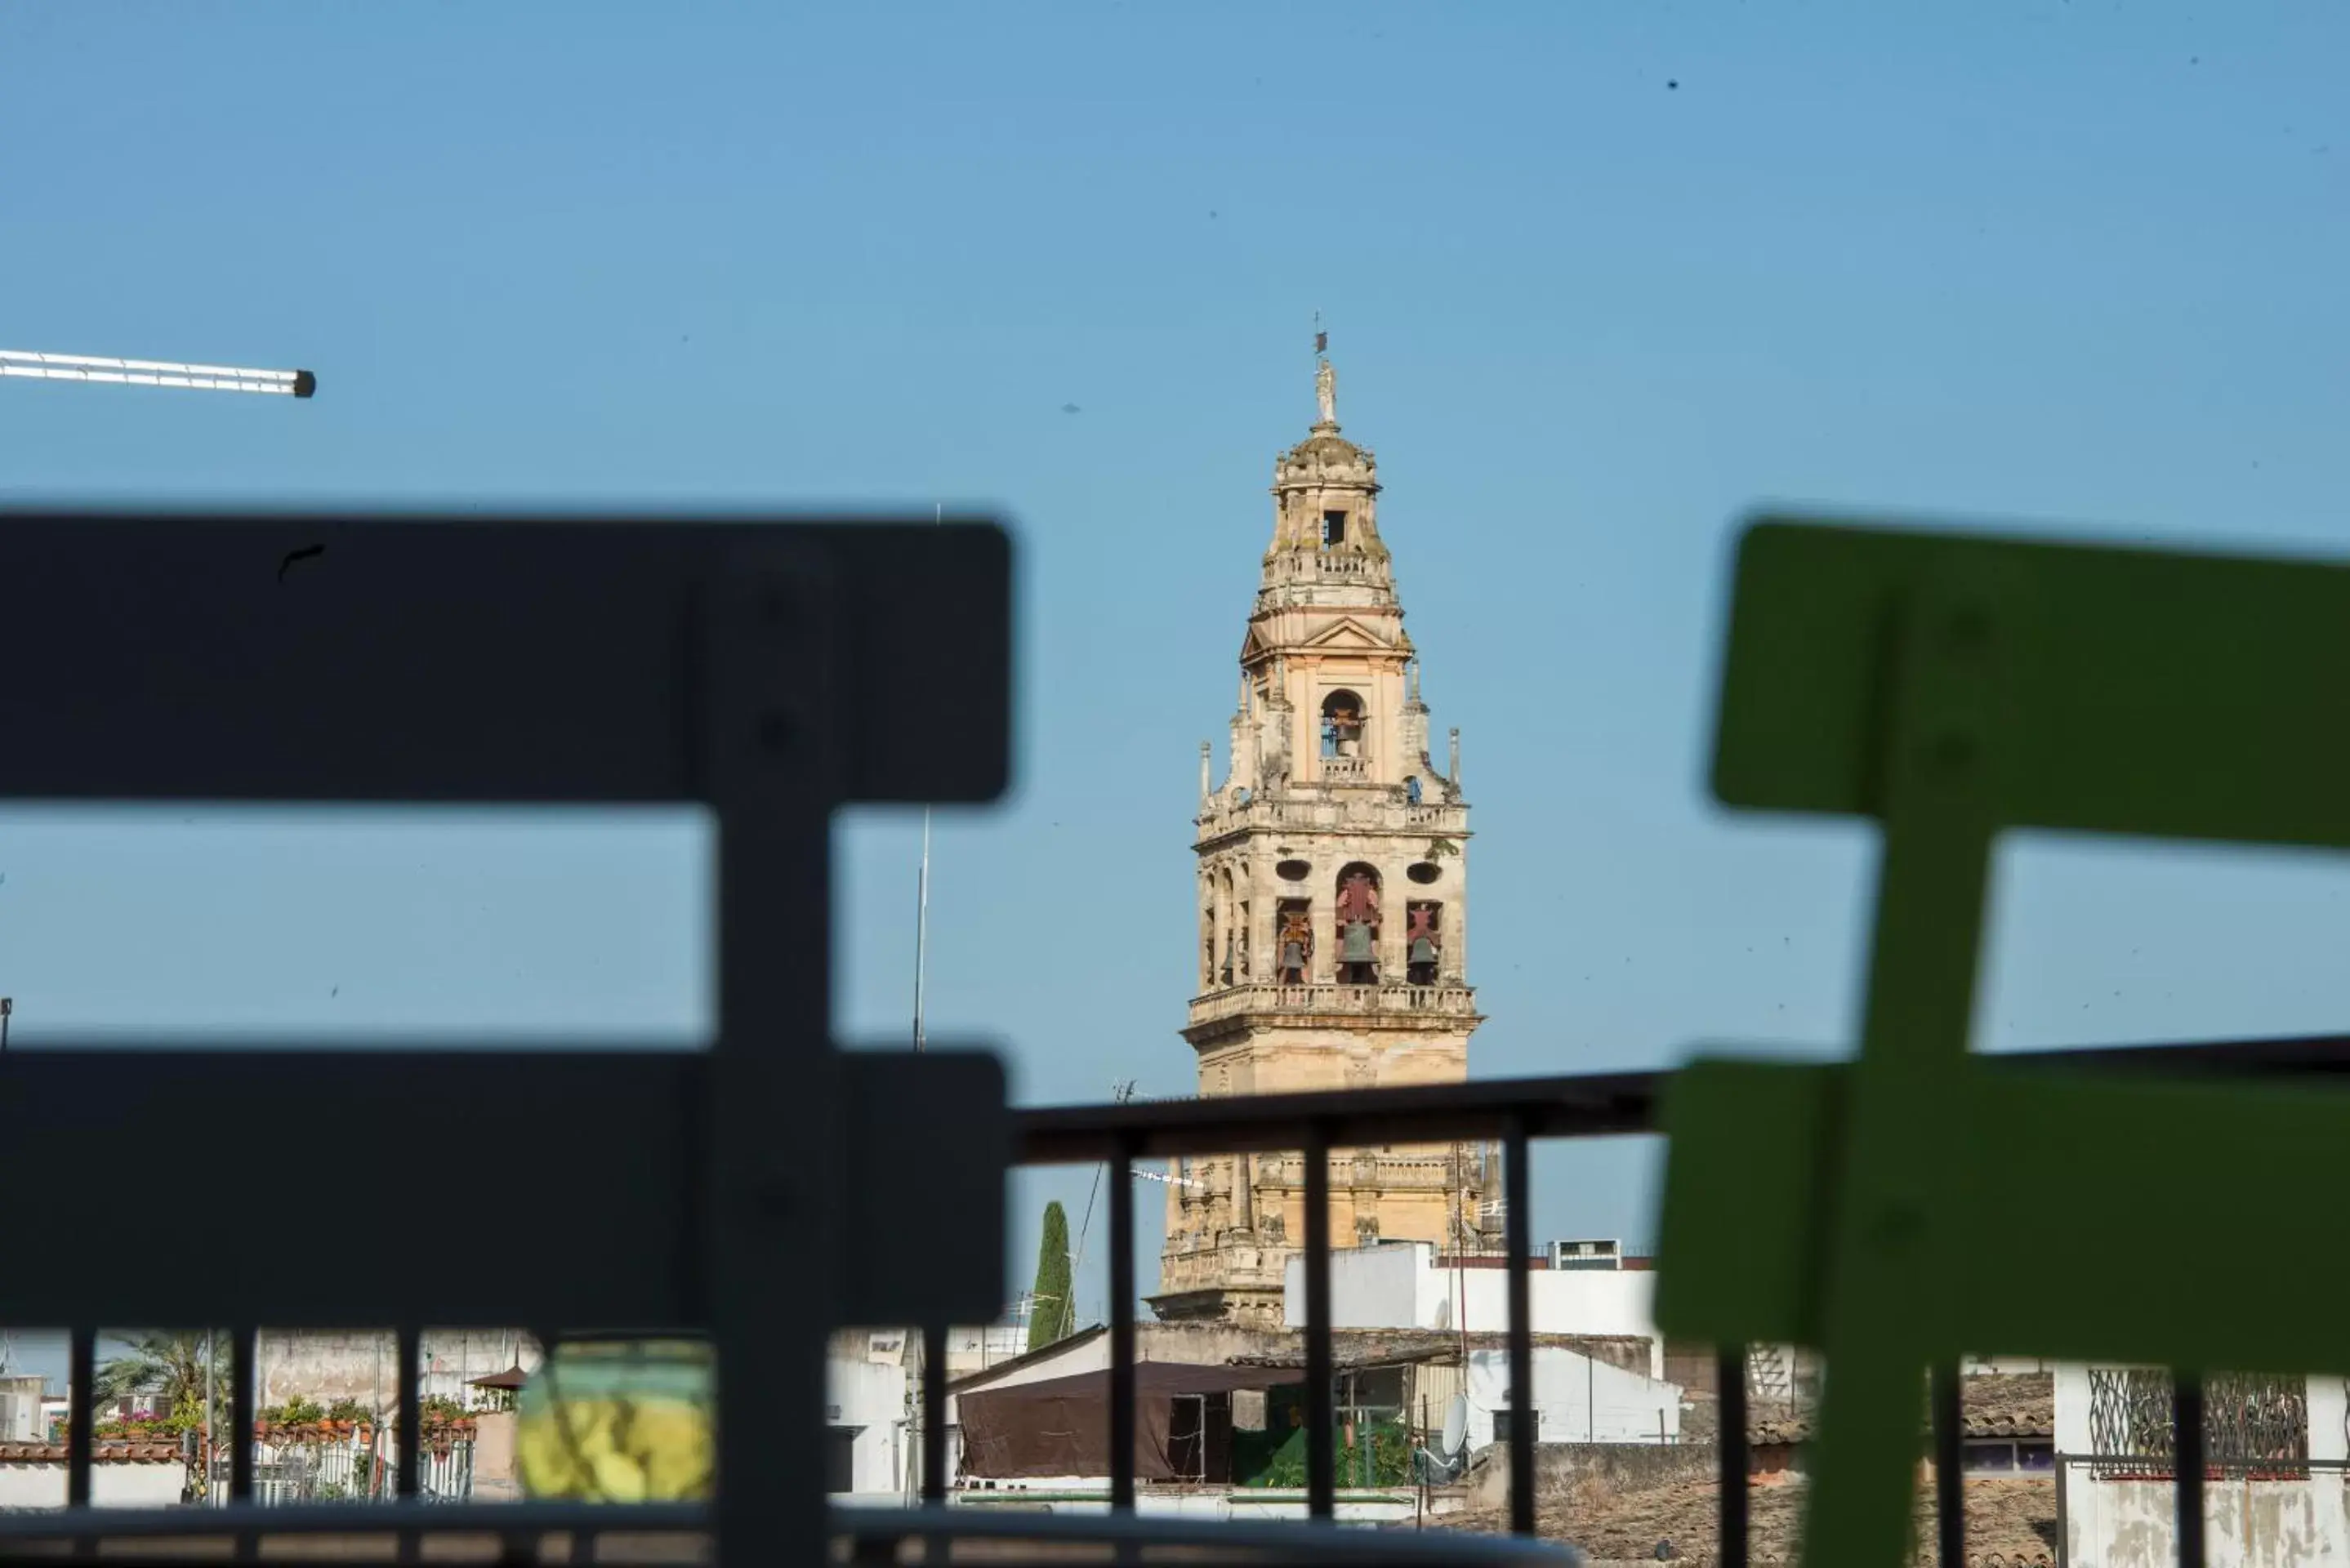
(1325, 815)
(1346, 769)
(1447, 1000)
(1325, 567)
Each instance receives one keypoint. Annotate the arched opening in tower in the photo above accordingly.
(1342, 725)
(1358, 926)
(1294, 945)
(1423, 940)
(1236, 959)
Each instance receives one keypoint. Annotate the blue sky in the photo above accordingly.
(1599, 278)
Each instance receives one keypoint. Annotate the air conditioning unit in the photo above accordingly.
(1607, 1255)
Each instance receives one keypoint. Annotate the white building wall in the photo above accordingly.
(2246, 1524)
(2329, 1439)
(869, 1395)
(2072, 1396)
(1398, 1285)
(111, 1485)
(1576, 1399)
(973, 1350)
(1370, 1287)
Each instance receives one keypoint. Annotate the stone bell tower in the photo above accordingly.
(1333, 901)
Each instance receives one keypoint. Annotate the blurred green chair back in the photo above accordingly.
(1884, 1209)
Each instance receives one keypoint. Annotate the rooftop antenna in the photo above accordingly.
(934, 1336)
(34, 366)
(923, 889)
(1120, 1091)
(1170, 1180)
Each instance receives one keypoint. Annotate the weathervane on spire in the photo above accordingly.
(1325, 379)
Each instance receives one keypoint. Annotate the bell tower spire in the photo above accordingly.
(1325, 379)
(1333, 897)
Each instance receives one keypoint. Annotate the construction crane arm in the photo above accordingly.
(31, 364)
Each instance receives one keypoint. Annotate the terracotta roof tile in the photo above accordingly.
(2010, 1523)
(99, 1453)
(2020, 1405)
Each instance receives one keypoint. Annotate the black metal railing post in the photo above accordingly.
(1729, 1396)
(1517, 1226)
(242, 1379)
(1121, 1328)
(245, 1374)
(82, 1419)
(82, 1415)
(1321, 1416)
(410, 1478)
(935, 1478)
(1949, 1461)
(2187, 1447)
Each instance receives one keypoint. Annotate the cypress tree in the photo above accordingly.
(1051, 1310)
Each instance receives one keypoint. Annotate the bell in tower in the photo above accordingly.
(1297, 942)
(1358, 926)
(1422, 955)
(1342, 725)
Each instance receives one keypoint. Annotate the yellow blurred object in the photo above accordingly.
(674, 1440)
(618, 1421)
(619, 1478)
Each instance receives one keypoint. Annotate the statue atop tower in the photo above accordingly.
(1333, 882)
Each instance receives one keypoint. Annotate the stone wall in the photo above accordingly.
(1619, 1467)
(1697, 1369)
(496, 1479)
(364, 1365)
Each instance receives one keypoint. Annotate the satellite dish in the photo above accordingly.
(1456, 1425)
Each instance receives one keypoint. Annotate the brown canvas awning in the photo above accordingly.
(1060, 1426)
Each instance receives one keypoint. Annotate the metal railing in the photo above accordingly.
(1515, 1113)
(1507, 1111)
